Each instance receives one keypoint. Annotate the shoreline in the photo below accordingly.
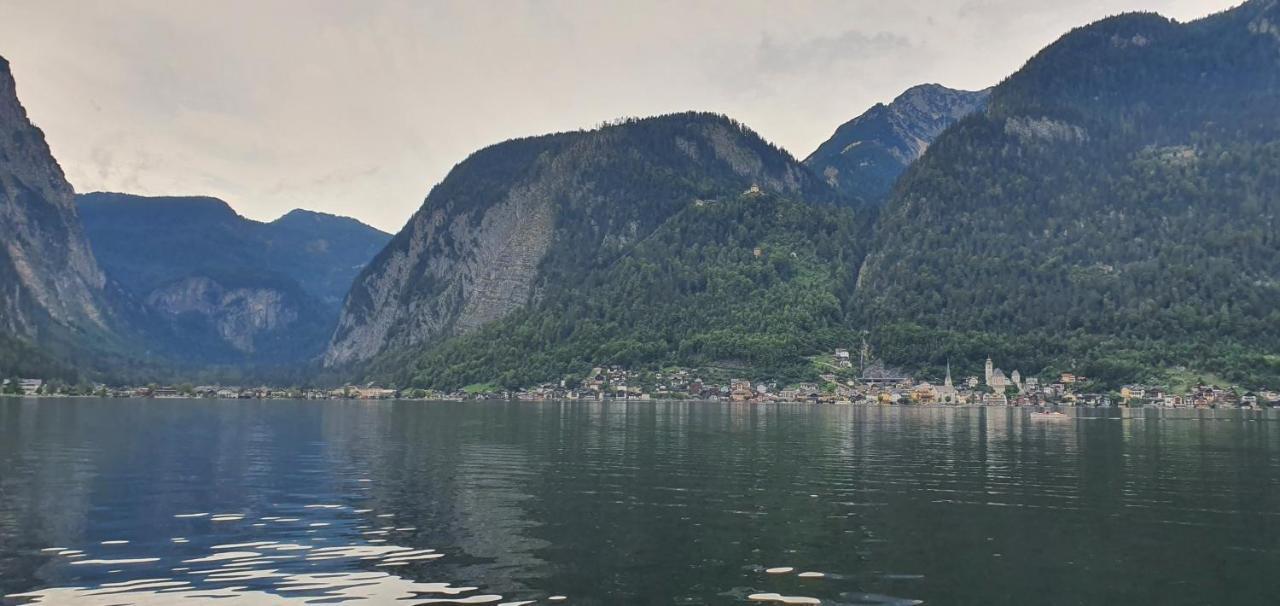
(645, 401)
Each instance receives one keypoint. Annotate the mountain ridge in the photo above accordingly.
(865, 155)
(492, 235)
(1113, 207)
(231, 288)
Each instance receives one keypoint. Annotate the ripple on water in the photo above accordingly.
(254, 572)
(782, 599)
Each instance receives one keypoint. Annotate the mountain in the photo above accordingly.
(1114, 211)
(52, 292)
(517, 224)
(232, 289)
(323, 252)
(752, 283)
(866, 155)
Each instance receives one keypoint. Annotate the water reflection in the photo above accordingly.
(144, 502)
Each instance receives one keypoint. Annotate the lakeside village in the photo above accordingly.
(840, 383)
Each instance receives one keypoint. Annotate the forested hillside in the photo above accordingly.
(755, 282)
(1115, 210)
(866, 155)
(518, 222)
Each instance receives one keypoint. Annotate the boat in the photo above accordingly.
(1048, 415)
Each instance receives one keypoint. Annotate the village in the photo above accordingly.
(841, 382)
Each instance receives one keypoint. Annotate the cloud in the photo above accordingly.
(359, 108)
(826, 53)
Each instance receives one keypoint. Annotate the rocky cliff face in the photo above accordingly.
(524, 216)
(48, 275)
(231, 289)
(867, 154)
(240, 316)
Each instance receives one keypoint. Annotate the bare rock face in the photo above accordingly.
(240, 315)
(867, 154)
(281, 283)
(493, 277)
(525, 215)
(48, 275)
(1044, 130)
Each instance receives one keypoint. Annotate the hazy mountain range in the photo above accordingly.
(1110, 208)
(232, 289)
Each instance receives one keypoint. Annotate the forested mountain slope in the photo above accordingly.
(866, 155)
(755, 282)
(1115, 207)
(521, 221)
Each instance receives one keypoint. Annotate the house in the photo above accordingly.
(842, 359)
(375, 393)
(30, 387)
(994, 399)
(696, 388)
(1133, 392)
(924, 393)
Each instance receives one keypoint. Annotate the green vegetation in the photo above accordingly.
(756, 282)
(1115, 215)
(22, 359)
(480, 388)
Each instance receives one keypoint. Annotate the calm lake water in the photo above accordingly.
(207, 502)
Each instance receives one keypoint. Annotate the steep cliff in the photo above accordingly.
(866, 155)
(230, 289)
(523, 217)
(50, 284)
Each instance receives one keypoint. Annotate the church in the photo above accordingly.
(947, 394)
(997, 380)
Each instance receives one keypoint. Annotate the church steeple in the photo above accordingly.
(948, 380)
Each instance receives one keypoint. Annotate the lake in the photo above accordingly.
(106, 502)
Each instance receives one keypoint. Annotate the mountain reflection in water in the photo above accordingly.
(106, 502)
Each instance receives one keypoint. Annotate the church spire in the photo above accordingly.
(948, 381)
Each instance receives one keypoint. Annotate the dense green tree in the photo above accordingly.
(755, 282)
(1113, 213)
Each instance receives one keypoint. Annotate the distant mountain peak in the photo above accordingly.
(235, 289)
(866, 155)
(303, 217)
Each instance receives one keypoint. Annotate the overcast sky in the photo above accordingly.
(358, 108)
